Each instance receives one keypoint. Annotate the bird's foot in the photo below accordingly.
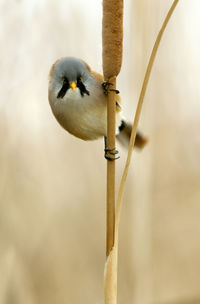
(106, 89)
(109, 152)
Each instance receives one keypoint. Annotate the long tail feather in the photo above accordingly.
(125, 134)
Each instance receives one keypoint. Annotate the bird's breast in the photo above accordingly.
(84, 117)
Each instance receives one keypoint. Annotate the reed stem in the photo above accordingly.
(110, 214)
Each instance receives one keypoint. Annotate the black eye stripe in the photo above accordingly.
(82, 87)
(64, 88)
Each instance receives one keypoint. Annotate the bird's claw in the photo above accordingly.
(106, 89)
(112, 152)
(109, 152)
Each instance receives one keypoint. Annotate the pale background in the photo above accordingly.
(52, 185)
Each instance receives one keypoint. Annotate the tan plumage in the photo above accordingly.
(79, 103)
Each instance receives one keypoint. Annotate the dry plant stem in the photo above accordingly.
(110, 216)
(137, 116)
(112, 36)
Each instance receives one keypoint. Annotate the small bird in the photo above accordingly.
(79, 102)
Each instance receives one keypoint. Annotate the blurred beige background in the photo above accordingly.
(52, 185)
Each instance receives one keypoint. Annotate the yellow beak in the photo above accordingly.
(72, 85)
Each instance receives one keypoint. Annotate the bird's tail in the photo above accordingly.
(125, 134)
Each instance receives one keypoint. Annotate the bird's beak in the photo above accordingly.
(73, 85)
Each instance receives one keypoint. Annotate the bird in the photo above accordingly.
(78, 98)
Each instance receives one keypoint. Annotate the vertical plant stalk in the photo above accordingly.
(110, 212)
(112, 39)
(112, 36)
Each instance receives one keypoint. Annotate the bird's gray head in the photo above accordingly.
(71, 73)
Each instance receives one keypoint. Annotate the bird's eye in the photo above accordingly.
(82, 87)
(65, 87)
(79, 79)
(64, 80)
